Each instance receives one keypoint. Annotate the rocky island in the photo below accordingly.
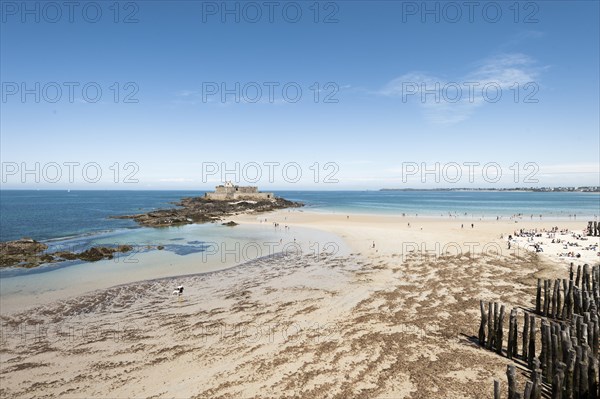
(227, 200)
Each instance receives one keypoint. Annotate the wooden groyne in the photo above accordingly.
(559, 338)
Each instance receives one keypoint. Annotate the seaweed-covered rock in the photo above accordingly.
(202, 210)
(30, 253)
(24, 250)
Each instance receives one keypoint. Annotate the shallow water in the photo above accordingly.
(188, 250)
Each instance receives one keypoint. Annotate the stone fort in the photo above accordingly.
(231, 192)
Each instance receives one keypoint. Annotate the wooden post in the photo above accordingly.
(490, 337)
(558, 298)
(557, 385)
(495, 323)
(531, 349)
(565, 346)
(593, 376)
(586, 277)
(528, 390)
(511, 335)
(537, 384)
(546, 299)
(546, 353)
(569, 299)
(496, 389)
(583, 378)
(569, 375)
(499, 331)
(483, 323)
(544, 350)
(555, 357)
(512, 380)
(515, 334)
(595, 285)
(587, 301)
(525, 334)
(538, 297)
(595, 333)
(563, 311)
(578, 301)
(577, 372)
(571, 271)
(554, 303)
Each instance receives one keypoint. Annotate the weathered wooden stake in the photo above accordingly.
(557, 383)
(546, 298)
(528, 390)
(490, 338)
(583, 378)
(569, 374)
(499, 331)
(531, 349)
(511, 374)
(483, 323)
(511, 335)
(537, 383)
(496, 389)
(515, 334)
(538, 297)
(525, 334)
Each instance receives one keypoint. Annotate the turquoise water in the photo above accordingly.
(442, 203)
(46, 215)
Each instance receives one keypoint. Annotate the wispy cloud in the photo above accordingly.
(449, 101)
(188, 93)
(194, 97)
(523, 36)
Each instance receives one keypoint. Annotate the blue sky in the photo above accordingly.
(392, 67)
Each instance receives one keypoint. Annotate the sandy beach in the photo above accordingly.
(395, 315)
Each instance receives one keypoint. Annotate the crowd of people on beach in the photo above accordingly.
(573, 247)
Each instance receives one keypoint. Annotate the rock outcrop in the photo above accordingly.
(30, 253)
(203, 210)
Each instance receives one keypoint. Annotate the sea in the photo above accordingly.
(48, 215)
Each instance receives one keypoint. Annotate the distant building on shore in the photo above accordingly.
(229, 192)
